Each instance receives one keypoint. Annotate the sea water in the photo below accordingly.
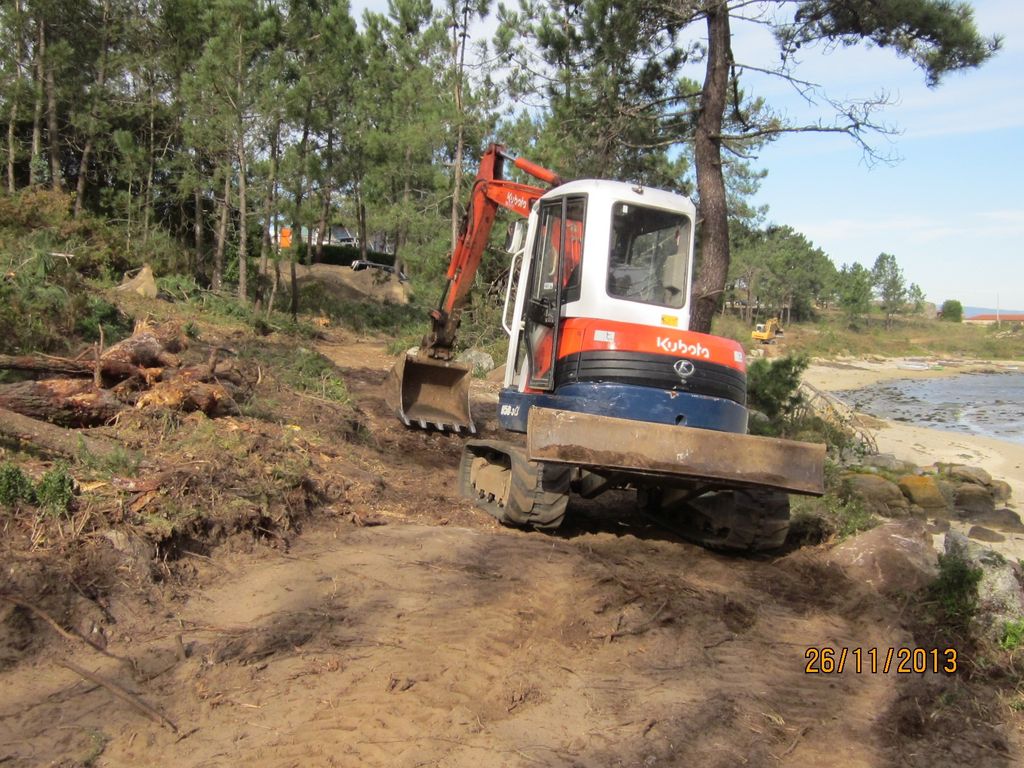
(989, 404)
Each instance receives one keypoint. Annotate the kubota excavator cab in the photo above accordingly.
(601, 314)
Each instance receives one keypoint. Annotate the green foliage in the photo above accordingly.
(777, 270)
(955, 592)
(853, 286)
(890, 286)
(56, 490)
(15, 486)
(1013, 635)
(831, 517)
(312, 373)
(952, 311)
(773, 387)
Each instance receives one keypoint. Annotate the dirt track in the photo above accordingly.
(443, 639)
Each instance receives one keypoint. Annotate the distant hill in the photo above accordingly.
(974, 311)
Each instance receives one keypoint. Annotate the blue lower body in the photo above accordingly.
(626, 401)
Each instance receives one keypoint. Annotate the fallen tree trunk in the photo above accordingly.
(52, 440)
(111, 371)
(66, 402)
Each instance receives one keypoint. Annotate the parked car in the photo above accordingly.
(361, 264)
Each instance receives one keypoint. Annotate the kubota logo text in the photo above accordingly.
(680, 347)
(516, 201)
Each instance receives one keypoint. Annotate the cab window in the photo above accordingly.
(649, 255)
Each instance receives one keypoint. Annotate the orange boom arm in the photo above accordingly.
(490, 191)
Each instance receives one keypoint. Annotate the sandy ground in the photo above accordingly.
(439, 638)
(922, 446)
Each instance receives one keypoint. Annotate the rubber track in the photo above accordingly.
(741, 520)
(539, 492)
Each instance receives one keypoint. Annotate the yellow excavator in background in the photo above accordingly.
(766, 332)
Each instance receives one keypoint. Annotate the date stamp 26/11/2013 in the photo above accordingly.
(826, 660)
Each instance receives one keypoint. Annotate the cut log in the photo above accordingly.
(187, 394)
(143, 349)
(55, 441)
(66, 402)
(111, 371)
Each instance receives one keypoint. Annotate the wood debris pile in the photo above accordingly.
(144, 371)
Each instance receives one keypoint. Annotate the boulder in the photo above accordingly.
(981, 533)
(1001, 490)
(968, 474)
(888, 462)
(143, 283)
(894, 558)
(923, 491)
(974, 499)
(1000, 596)
(1001, 519)
(477, 359)
(877, 494)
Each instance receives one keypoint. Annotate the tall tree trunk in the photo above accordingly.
(361, 215)
(35, 164)
(101, 80)
(300, 187)
(270, 198)
(147, 211)
(714, 220)
(12, 115)
(198, 227)
(243, 169)
(243, 240)
(459, 56)
(52, 129)
(222, 233)
(325, 196)
(12, 147)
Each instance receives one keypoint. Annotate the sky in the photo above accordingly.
(950, 209)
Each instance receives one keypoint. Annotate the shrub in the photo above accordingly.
(15, 487)
(952, 310)
(955, 591)
(56, 490)
(773, 387)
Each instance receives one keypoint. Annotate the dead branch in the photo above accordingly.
(124, 694)
(72, 635)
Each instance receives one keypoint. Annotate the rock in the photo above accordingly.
(878, 495)
(974, 499)
(143, 283)
(497, 375)
(969, 474)
(894, 558)
(477, 359)
(138, 550)
(1000, 597)
(938, 525)
(1001, 490)
(889, 463)
(923, 491)
(981, 533)
(1003, 519)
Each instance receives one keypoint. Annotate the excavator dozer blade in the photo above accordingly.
(725, 459)
(430, 393)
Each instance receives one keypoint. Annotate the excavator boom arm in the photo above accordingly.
(490, 192)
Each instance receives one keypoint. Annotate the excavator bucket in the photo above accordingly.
(430, 393)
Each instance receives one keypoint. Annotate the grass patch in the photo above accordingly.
(830, 336)
(1013, 635)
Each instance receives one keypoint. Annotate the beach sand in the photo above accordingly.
(924, 446)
